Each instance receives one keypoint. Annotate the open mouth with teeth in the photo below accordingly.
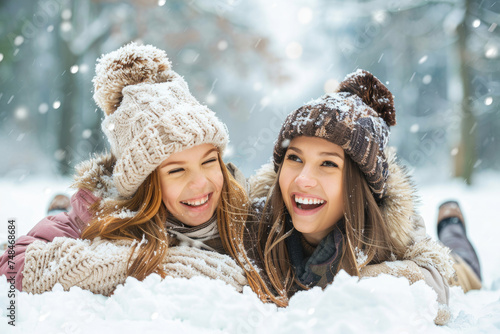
(195, 203)
(307, 203)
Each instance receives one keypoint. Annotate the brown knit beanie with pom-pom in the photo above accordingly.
(357, 118)
(150, 113)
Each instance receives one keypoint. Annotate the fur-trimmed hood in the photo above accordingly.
(398, 209)
(96, 175)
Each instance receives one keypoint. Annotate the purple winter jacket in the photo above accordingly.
(66, 224)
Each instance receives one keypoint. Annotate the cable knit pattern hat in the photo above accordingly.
(150, 113)
(357, 118)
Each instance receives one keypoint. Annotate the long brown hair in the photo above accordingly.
(148, 222)
(365, 231)
(233, 212)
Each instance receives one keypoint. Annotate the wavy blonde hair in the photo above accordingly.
(149, 223)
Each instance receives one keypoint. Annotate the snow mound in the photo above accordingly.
(384, 304)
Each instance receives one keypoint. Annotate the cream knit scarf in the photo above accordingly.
(193, 235)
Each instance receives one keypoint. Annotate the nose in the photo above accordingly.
(306, 178)
(198, 180)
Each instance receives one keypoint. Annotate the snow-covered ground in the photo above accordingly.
(379, 305)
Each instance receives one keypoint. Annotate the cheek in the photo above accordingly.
(284, 181)
(217, 179)
(335, 195)
(170, 192)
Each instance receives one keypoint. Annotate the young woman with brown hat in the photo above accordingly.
(338, 200)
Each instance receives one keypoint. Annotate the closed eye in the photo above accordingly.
(293, 157)
(329, 164)
(177, 170)
(209, 161)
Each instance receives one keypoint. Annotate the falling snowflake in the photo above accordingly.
(305, 15)
(86, 133)
(293, 50)
(211, 99)
(21, 113)
(18, 40)
(222, 45)
(43, 108)
(59, 154)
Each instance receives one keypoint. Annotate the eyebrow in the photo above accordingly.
(299, 151)
(184, 162)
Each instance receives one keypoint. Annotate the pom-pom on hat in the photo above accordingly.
(357, 117)
(150, 113)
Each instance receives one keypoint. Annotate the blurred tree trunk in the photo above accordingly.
(67, 93)
(74, 47)
(467, 147)
(66, 138)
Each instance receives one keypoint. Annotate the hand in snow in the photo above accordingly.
(404, 268)
(414, 273)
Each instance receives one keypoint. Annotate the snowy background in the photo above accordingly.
(253, 62)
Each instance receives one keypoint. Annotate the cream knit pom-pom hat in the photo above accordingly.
(150, 113)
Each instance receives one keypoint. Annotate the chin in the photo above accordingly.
(200, 220)
(302, 226)
(195, 223)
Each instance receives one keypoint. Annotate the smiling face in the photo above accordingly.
(191, 184)
(311, 182)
